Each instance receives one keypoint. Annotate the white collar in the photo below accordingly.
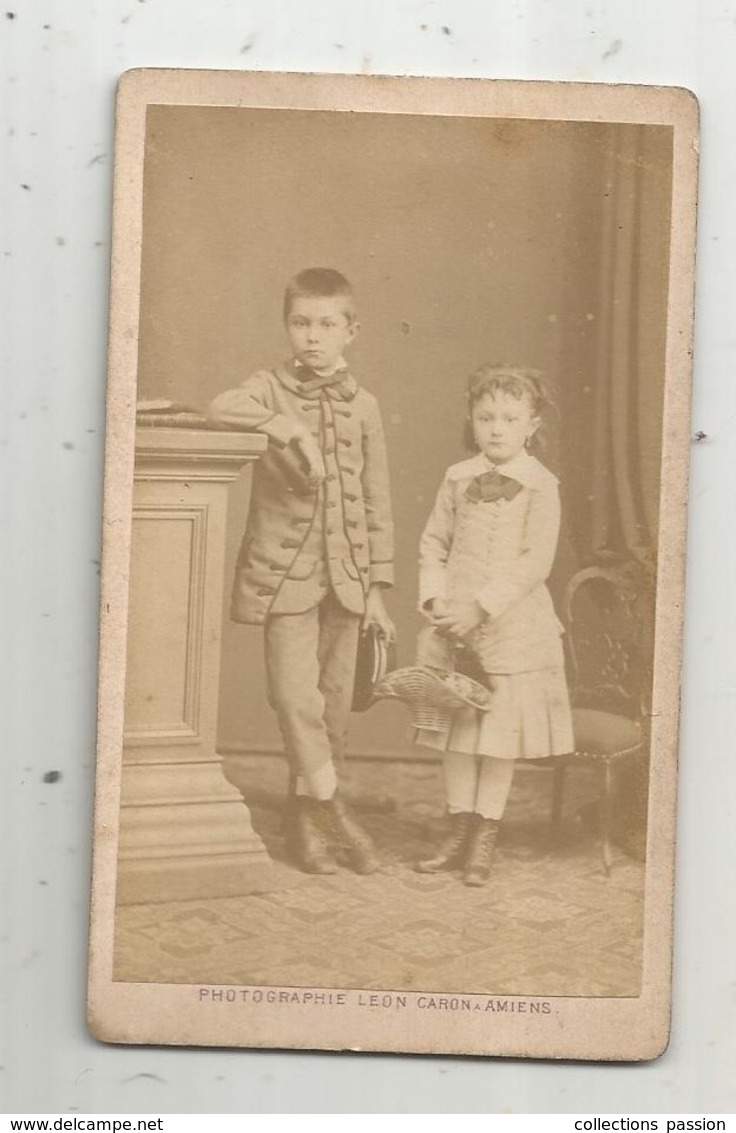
(523, 468)
(341, 364)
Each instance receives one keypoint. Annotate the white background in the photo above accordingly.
(57, 116)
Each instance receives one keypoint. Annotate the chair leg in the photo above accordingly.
(606, 816)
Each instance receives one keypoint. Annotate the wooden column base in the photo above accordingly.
(186, 833)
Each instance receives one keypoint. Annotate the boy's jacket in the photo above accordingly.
(301, 540)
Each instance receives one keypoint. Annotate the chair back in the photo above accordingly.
(607, 616)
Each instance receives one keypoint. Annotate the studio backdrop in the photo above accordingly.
(541, 244)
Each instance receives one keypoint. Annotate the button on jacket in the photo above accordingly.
(300, 541)
(500, 553)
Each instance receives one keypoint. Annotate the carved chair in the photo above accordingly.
(607, 612)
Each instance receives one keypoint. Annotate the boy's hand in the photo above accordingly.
(312, 455)
(460, 618)
(376, 615)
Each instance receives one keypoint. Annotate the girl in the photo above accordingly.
(485, 555)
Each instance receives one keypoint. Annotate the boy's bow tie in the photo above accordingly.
(310, 382)
(492, 486)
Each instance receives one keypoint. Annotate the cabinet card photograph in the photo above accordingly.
(392, 581)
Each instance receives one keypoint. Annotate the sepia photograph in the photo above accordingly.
(393, 564)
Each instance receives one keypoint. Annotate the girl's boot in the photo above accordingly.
(480, 853)
(451, 851)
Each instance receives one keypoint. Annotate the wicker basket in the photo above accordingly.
(433, 695)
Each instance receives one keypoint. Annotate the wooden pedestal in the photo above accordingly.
(185, 831)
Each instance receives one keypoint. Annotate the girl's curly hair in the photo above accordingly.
(516, 381)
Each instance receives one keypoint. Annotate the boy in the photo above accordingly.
(317, 550)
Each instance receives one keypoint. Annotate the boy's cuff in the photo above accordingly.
(381, 574)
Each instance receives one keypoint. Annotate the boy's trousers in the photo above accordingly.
(310, 667)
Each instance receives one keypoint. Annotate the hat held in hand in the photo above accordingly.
(433, 694)
(375, 659)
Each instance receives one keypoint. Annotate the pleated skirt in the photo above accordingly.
(530, 718)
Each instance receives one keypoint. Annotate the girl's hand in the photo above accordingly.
(437, 608)
(377, 615)
(461, 618)
(312, 455)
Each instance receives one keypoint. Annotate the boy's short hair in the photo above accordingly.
(319, 283)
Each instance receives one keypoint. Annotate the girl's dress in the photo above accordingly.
(492, 536)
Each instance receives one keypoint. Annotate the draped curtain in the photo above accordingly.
(628, 383)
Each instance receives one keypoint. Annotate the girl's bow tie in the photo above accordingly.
(492, 486)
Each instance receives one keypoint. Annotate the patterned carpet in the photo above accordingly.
(548, 923)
